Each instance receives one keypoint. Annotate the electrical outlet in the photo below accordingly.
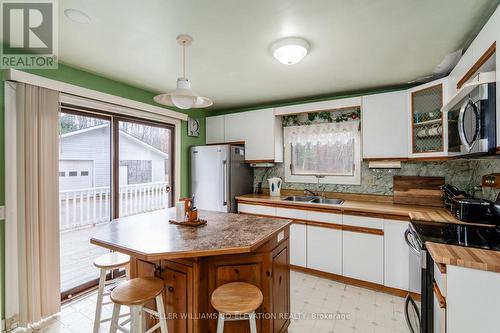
(491, 180)
(371, 180)
(2, 212)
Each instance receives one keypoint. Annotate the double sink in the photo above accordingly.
(314, 199)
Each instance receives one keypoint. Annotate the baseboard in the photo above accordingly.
(356, 282)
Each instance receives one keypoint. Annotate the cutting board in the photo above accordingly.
(416, 190)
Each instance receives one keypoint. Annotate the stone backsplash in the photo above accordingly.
(463, 173)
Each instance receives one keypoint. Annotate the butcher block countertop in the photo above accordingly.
(150, 236)
(486, 260)
(368, 207)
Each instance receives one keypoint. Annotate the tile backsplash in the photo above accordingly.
(463, 173)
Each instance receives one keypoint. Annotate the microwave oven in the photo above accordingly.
(472, 122)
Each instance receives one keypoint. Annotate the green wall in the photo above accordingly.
(88, 80)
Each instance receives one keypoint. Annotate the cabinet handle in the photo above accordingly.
(268, 274)
(236, 270)
(171, 289)
(281, 277)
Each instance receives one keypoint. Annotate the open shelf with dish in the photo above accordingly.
(427, 120)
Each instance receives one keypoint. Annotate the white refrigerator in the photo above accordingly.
(219, 174)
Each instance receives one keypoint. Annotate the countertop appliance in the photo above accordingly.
(468, 209)
(219, 174)
(472, 120)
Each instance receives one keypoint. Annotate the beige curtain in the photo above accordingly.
(37, 202)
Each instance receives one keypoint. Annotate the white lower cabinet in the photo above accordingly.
(298, 244)
(324, 249)
(363, 256)
(439, 312)
(257, 209)
(396, 255)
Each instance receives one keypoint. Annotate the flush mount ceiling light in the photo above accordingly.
(77, 16)
(183, 97)
(290, 50)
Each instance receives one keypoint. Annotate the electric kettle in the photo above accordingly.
(275, 186)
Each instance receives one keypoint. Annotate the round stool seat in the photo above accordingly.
(236, 298)
(137, 291)
(112, 260)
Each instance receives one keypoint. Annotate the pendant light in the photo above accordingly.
(183, 97)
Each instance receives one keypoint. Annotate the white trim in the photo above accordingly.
(317, 106)
(19, 76)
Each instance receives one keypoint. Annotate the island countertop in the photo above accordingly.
(150, 236)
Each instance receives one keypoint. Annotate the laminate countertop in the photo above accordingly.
(368, 207)
(150, 236)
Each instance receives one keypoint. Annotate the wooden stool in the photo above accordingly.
(107, 262)
(236, 301)
(135, 293)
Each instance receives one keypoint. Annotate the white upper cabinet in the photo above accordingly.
(385, 118)
(260, 130)
(215, 129)
(428, 130)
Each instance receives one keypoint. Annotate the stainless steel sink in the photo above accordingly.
(327, 201)
(299, 198)
(312, 199)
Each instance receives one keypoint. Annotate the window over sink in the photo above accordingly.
(325, 153)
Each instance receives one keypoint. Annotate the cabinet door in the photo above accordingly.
(363, 256)
(176, 296)
(260, 139)
(396, 255)
(214, 129)
(298, 244)
(324, 249)
(385, 118)
(256, 209)
(257, 129)
(439, 312)
(281, 288)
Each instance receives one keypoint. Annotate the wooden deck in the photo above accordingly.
(78, 255)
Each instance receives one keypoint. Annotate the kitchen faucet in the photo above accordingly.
(311, 192)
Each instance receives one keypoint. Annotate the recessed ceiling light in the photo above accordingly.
(77, 16)
(290, 50)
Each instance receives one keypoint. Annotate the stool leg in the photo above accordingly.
(220, 323)
(161, 314)
(253, 324)
(98, 306)
(114, 319)
(136, 319)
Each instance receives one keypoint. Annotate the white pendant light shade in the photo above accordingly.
(290, 51)
(183, 97)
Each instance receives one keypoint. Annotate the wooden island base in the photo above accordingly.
(190, 282)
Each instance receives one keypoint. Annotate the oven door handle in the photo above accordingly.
(410, 243)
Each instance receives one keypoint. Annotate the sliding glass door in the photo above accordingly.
(144, 167)
(84, 194)
(109, 167)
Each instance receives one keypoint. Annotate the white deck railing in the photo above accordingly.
(90, 206)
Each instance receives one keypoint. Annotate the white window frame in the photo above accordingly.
(354, 179)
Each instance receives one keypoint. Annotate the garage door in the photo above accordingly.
(76, 175)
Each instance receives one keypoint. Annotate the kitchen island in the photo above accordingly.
(194, 261)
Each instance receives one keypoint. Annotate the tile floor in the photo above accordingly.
(318, 305)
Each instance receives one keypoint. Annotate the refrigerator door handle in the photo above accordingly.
(224, 182)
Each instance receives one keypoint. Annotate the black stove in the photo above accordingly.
(484, 237)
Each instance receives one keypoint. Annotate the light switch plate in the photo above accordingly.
(2, 212)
